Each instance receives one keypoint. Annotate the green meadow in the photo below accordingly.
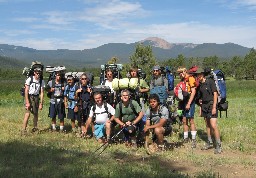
(48, 154)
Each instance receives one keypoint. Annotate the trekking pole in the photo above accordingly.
(106, 143)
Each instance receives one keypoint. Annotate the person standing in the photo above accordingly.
(34, 95)
(188, 106)
(208, 97)
(57, 107)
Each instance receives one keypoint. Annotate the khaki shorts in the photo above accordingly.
(34, 104)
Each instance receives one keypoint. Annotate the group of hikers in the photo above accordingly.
(100, 114)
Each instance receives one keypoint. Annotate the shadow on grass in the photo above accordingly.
(18, 159)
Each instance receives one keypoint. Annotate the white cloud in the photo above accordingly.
(26, 19)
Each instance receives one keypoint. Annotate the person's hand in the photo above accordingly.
(188, 106)
(76, 109)
(41, 106)
(27, 106)
(79, 90)
(89, 90)
(52, 89)
(145, 129)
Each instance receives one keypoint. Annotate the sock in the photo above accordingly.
(193, 133)
(61, 127)
(53, 126)
(185, 135)
(210, 139)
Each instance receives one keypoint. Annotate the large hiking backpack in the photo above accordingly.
(161, 90)
(180, 91)
(29, 72)
(170, 78)
(220, 82)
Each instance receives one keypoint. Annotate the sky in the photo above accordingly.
(86, 24)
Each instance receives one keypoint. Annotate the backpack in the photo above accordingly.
(180, 91)
(220, 82)
(170, 78)
(50, 94)
(160, 91)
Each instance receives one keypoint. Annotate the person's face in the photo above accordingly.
(83, 80)
(153, 103)
(98, 99)
(182, 74)
(156, 72)
(70, 81)
(200, 77)
(57, 76)
(109, 75)
(133, 74)
(37, 73)
(125, 97)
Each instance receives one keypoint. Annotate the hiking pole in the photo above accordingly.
(107, 143)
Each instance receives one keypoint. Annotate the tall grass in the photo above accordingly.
(49, 154)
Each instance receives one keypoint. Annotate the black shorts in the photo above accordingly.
(207, 110)
(72, 114)
(58, 109)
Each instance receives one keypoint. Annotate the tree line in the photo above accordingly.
(143, 57)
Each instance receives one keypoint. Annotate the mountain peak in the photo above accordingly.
(157, 42)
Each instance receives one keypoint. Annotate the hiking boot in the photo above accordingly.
(185, 140)
(208, 145)
(218, 149)
(160, 147)
(193, 144)
(35, 130)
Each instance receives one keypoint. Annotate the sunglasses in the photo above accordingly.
(69, 80)
(83, 78)
(38, 73)
(156, 70)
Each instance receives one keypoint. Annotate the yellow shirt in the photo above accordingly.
(190, 83)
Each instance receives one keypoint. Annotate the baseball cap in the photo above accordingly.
(157, 67)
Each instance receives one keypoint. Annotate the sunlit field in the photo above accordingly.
(53, 154)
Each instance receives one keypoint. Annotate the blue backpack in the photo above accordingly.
(170, 78)
(220, 82)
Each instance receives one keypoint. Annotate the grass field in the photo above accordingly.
(48, 154)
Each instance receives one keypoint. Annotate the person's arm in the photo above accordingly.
(138, 118)
(215, 99)
(88, 123)
(159, 124)
(26, 95)
(41, 98)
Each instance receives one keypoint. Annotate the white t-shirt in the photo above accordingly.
(109, 84)
(34, 86)
(101, 115)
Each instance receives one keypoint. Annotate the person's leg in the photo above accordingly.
(108, 130)
(25, 120)
(159, 131)
(209, 143)
(213, 122)
(185, 128)
(193, 132)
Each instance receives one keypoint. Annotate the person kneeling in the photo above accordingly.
(99, 116)
(157, 119)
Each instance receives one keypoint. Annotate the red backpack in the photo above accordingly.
(180, 91)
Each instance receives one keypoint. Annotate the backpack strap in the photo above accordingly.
(106, 110)
(132, 107)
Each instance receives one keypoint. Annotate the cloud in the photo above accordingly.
(26, 19)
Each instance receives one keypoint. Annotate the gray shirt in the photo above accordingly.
(58, 92)
(163, 112)
(160, 81)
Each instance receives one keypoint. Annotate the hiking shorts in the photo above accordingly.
(34, 104)
(58, 109)
(188, 113)
(73, 115)
(207, 110)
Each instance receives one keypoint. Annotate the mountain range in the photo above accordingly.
(162, 50)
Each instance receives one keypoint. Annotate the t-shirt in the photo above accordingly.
(163, 112)
(101, 115)
(159, 81)
(190, 83)
(127, 112)
(34, 85)
(58, 93)
(109, 84)
(207, 90)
